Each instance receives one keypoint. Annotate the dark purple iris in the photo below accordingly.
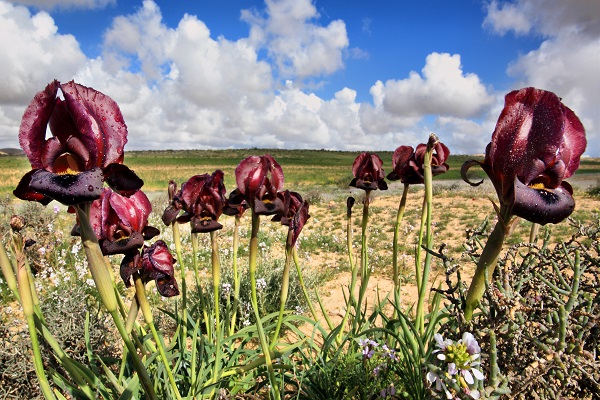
(155, 263)
(368, 172)
(536, 144)
(121, 223)
(407, 164)
(202, 198)
(259, 179)
(236, 204)
(85, 149)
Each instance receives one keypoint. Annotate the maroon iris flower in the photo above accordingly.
(368, 172)
(202, 198)
(536, 144)
(298, 221)
(259, 179)
(154, 264)
(236, 204)
(86, 147)
(407, 164)
(292, 201)
(121, 223)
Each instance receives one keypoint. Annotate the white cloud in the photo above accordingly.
(442, 89)
(65, 4)
(33, 53)
(299, 47)
(505, 18)
(567, 61)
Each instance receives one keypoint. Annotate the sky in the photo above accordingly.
(299, 74)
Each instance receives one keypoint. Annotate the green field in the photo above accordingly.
(302, 168)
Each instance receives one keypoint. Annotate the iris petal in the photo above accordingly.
(24, 192)
(543, 206)
(68, 189)
(122, 179)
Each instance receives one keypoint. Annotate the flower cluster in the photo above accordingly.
(461, 362)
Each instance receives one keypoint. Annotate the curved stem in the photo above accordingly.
(142, 300)
(236, 275)
(216, 277)
(354, 276)
(399, 216)
(177, 240)
(254, 300)
(285, 284)
(199, 283)
(303, 286)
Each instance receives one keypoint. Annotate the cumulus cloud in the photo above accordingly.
(299, 47)
(442, 88)
(65, 4)
(567, 60)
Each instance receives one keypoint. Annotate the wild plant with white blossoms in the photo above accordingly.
(459, 375)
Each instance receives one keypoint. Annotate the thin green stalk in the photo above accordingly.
(199, 283)
(399, 216)
(236, 275)
(285, 284)
(27, 302)
(354, 274)
(365, 270)
(533, 232)
(254, 299)
(104, 284)
(487, 261)
(8, 272)
(427, 206)
(216, 277)
(142, 300)
(177, 240)
(303, 286)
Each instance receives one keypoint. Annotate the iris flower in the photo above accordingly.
(407, 164)
(120, 222)
(85, 149)
(259, 179)
(154, 263)
(202, 198)
(537, 144)
(368, 172)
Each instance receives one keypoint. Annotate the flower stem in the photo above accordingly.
(142, 300)
(254, 299)
(354, 274)
(199, 283)
(216, 277)
(236, 275)
(177, 240)
(285, 284)
(427, 206)
(487, 261)
(104, 284)
(399, 216)
(365, 271)
(303, 286)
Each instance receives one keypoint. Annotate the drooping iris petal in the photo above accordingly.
(24, 192)
(68, 189)
(400, 159)
(292, 202)
(157, 265)
(542, 205)
(298, 221)
(122, 179)
(408, 165)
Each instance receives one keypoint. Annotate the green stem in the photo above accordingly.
(199, 284)
(303, 287)
(236, 275)
(216, 277)
(254, 299)
(177, 240)
(142, 300)
(285, 284)
(534, 232)
(399, 216)
(427, 206)
(364, 259)
(104, 284)
(487, 261)
(354, 276)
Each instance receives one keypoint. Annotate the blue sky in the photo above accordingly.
(354, 75)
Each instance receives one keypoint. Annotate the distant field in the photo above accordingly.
(302, 168)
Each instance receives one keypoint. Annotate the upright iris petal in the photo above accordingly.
(202, 198)
(85, 150)
(537, 143)
(121, 223)
(368, 172)
(407, 165)
(259, 179)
